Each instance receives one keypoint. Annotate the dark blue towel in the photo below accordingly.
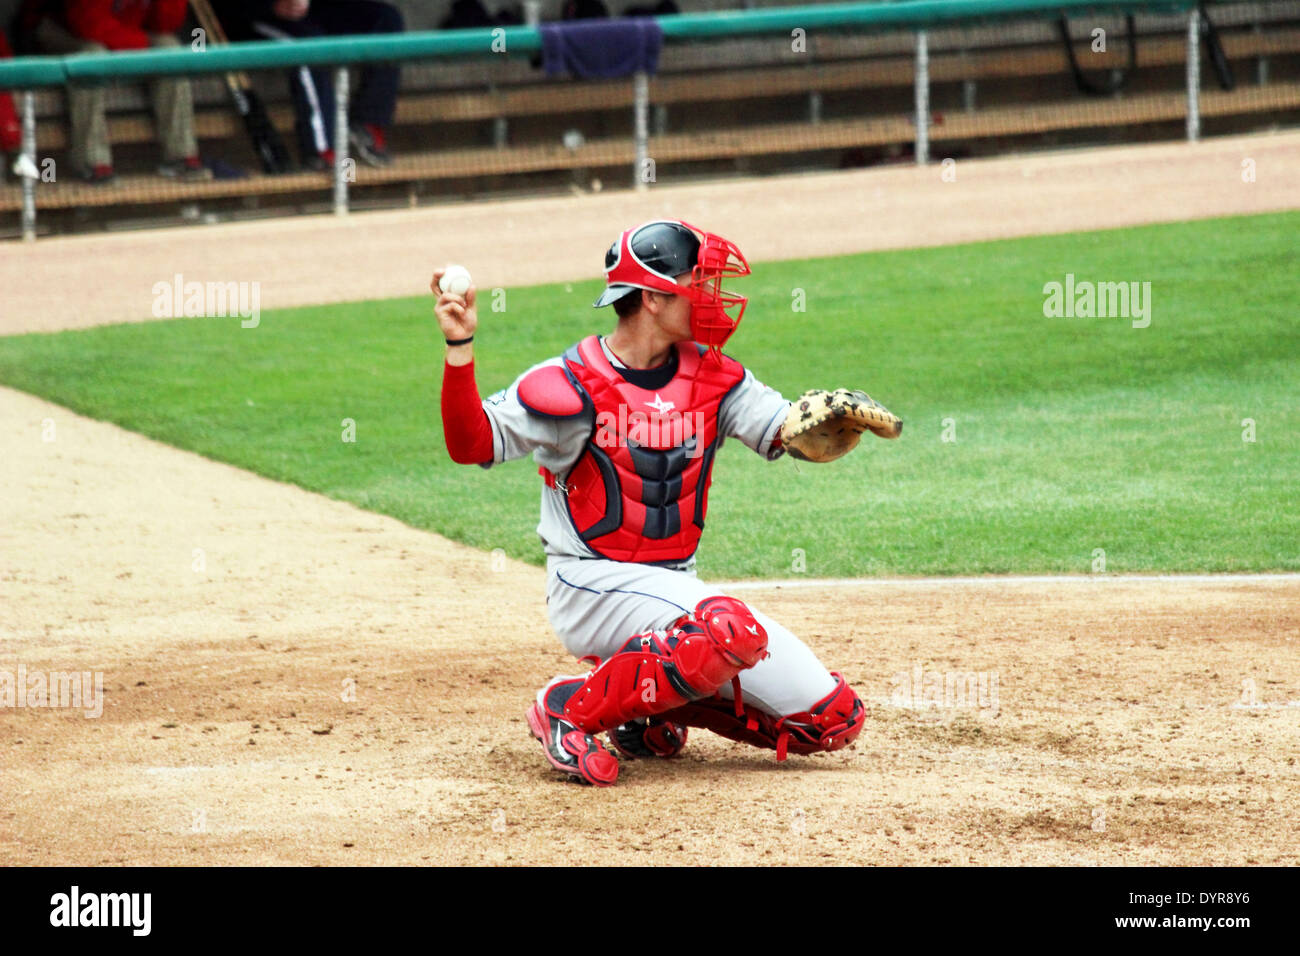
(601, 49)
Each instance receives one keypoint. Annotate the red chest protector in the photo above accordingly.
(639, 490)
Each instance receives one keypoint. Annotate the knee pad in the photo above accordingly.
(657, 672)
(830, 724)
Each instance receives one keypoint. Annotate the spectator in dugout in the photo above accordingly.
(95, 26)
(371, 109)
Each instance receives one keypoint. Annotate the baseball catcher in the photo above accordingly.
(625, 429)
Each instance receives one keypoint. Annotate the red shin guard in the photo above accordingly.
(833, 722)
(657, 672)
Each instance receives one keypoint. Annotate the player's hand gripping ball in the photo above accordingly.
(455, 280)
(457, 315)
(823, 426)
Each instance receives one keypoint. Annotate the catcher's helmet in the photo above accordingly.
(652, 255)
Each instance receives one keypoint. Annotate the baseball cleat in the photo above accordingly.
(649, 737)
(566, 747)
(370, 144)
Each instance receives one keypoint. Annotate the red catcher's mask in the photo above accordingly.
(714, 312)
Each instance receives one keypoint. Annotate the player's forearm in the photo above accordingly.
(465, 425)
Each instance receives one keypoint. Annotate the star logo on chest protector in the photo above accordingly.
(660, 406)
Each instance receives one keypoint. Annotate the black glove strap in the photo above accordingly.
(459, 341)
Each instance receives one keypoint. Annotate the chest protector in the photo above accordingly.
(639, 490)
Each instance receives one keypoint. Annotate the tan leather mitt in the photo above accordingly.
(823, 426)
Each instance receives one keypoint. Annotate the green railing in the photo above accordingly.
(30, 72)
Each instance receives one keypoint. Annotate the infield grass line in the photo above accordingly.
(999, 580)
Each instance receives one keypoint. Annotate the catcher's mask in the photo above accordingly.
(652, 255)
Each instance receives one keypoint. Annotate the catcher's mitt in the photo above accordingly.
(823, 426)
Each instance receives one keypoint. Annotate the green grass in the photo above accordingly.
(1071, 434)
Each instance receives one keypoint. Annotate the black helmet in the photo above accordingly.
(651, 257)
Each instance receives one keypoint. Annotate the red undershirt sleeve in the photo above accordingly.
(465, 424)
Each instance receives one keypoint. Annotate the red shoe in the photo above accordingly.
(370, 143)
(320, 162)
(98, 175)
(190, 169)
(566, 747)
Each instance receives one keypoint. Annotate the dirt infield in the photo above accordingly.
(519, 242)
(1107, 722)
(288, 679)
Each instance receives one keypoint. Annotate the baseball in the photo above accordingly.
(455, 280)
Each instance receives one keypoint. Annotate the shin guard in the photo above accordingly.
(833, 722)
(659, 671)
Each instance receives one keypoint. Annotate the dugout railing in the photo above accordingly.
(897, 52)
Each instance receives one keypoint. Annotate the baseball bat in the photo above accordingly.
(1117, 79)
(265, 138)
(1218, 59)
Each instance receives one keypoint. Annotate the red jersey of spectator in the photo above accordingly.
(10, 131)
(118, 24)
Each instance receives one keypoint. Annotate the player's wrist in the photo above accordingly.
(462, 354)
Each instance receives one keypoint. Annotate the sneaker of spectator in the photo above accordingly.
(23, 166)
(370, 144)
(101, 174)
(319, 162)
(190, 169)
